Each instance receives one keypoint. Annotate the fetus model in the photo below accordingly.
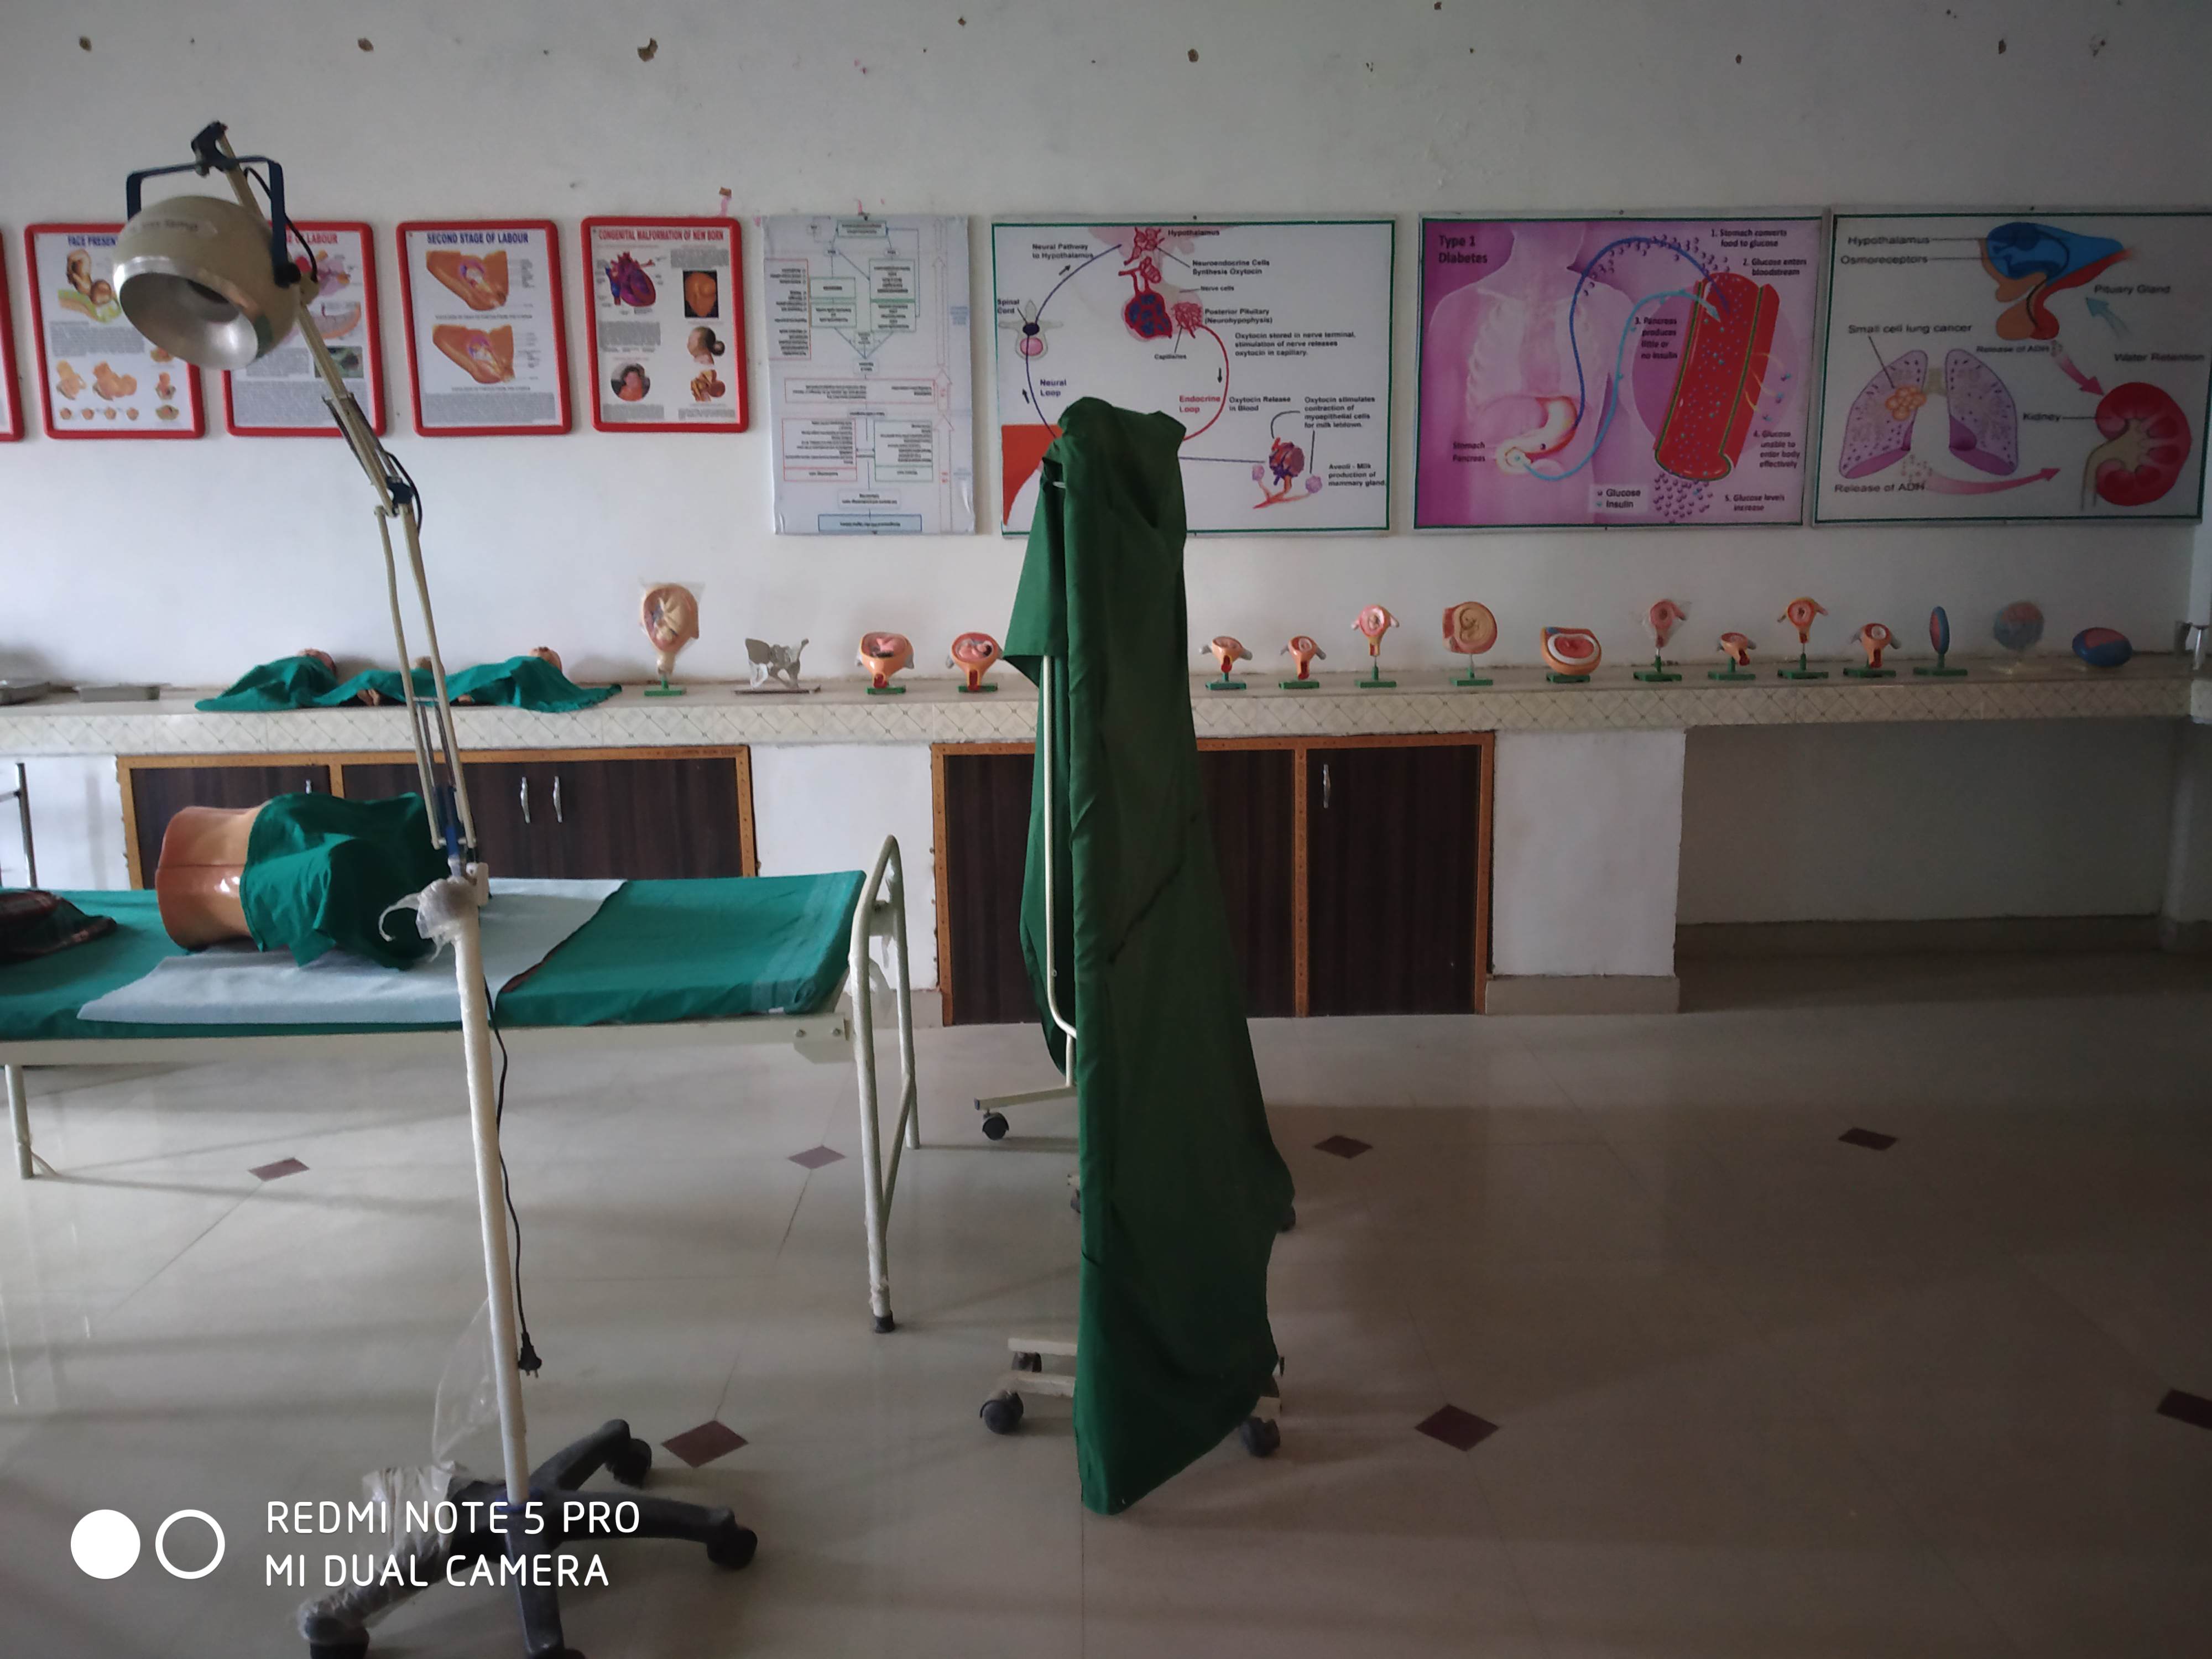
(1228, 651)
(1737, 648)
(1874, 639)
(1374, 622)
(1799, 613)
(669, 616)
(883, 655)
(973, 654)
(1303, 650)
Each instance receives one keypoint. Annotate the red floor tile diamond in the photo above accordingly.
(815, 1157)
(279, 1169)
(1873, 1139)
(1457, 1429)
(703, 1445)
(2183, 1406)
(1342, 1146)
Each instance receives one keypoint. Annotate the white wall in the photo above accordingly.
(1586, 839)
(185, 562)
(1885, 823)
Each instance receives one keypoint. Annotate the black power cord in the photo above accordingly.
(526, 1361)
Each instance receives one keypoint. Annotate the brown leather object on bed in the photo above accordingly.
(195, 882)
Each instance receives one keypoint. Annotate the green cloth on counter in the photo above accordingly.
(321, 870)
(287, 683)
(1183, 1190)
(656, 950)
(529, 683)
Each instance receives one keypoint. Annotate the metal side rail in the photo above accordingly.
(882, 914)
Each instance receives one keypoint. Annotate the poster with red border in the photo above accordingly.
(98, 376)
(11, 394)
(487, 349)
(666, 324)
(282, 395)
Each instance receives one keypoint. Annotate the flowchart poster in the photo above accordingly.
(1616, 371)
(2016, 366)
(1269, 341)
(870, 393)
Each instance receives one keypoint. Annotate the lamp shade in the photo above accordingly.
(193, 274)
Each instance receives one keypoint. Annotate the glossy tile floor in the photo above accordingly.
(1757, 1391)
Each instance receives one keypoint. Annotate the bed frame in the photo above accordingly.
(846, 1027)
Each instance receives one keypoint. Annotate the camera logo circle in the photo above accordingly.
(161, 1539)
(104, 1544)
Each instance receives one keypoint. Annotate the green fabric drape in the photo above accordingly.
(320, 870)
(1182, 1188)
(529, 683)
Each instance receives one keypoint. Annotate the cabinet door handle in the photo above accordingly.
(1324, 786)
(307, 784)
(557, 818)
(525, 797)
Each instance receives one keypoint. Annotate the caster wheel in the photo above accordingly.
(885, 1324)
(1029, 1362)
(1261, 1436)
(994, 1125)
(338, 1650)
(629, 1465)
(1002, 1413)
(732, 1545)
(1290, 1217)
(1075, 1200)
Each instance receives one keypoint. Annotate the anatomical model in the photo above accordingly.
(1228, 652)
(195, 882)
(1303, 649)
(1470, 630)
(1573, 654)
(1374, 622)
(974, 653)
(545, 654)
(770, 662)
(1938, 636)
(1874, 639)
(2018, 628)
(883, 655)
(1660, 622)
(669, 616)
(1799, 613)
(1737, 649)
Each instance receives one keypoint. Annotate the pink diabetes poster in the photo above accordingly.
(1578, 371)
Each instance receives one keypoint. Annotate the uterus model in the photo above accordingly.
(1874, 639)
(669, 616)
(1938, 636)
(1228, 651)
(1737, 648)
(1799, 613)
(1304, 650)
(883, 655)
(1470, 629)
(1661, 619)
(1572, 654)
(1375, 620)
(973, 654)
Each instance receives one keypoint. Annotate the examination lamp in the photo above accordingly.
(212, 281)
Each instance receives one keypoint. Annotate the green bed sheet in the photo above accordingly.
(656, 951)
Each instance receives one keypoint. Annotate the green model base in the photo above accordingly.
(1377, 685)
(664, 689)
(1568, 680)
(1470, 679)
(1301, 685)
(1730, 674)
(1801, 673)
(1871, 673)
(967, 690)
(1656, 674)
(1938, 672)
(887, 691)
(1224, 684)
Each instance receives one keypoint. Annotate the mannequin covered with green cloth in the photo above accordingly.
(306, 682)
(1184, 1191)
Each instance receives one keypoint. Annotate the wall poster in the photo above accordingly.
(2007, 365)
(282, 395)
(485, 343)
(667, 325)
(98, 376)
(1616, 371)
(869, 383)
(1269, 340)
(11, 396)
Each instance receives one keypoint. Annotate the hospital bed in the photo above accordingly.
(743, 961)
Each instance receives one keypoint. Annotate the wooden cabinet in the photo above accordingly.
(1391, 878)
(574, 813)
(155, 789)
(1355, 872)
